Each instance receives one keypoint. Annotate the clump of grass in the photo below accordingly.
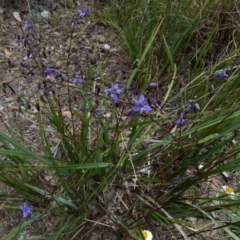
(115, 161)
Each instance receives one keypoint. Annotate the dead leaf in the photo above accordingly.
(17, 16)
(67, 114)
(114, 50)
(13, 107)
(7, 51)
(69, 84)
(225, 174)
(101, 38)
(59, 63)
(4, 29)
(72, 34)
(2, 205)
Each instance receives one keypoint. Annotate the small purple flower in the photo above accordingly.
(154, 102)
(48, 71)
(113, 92)
(140, 106)
(46, 92)
(100, 110)
(24, 64)
(35, 53)
(30, 79)
(93, 61)
(64, 77)
(39, 86)
(181, 121)
(25, 42)
(77, 79)
(82, 12)
(28, 54)
(28, 26)
(26, 209)
(112, 70)
(193, 107)
(222, 75)
(57, 6)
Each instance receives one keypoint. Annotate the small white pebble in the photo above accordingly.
(107, 115)
(200, 166)
(45, 14)
(106, 47)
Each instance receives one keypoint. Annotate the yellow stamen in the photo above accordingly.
(229, 190)
(145, 234)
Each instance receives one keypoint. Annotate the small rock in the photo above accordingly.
(200, 166)
(101, 38)
(17, 16)
(45, 14)
(58, 63)
(225, 174)
(13, 23)
(74, 34)
(105, 47)
(114, 50)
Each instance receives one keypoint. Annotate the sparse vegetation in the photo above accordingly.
(119, 117)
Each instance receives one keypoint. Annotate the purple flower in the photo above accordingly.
(140, 106)
(93, 61)
(24, 64)
(39, 86)
(48, 71)
(100, 110)
(46, 92)
(181, 121)
(113, 92)
(35, 53)
(28, 26)
(154, 102)
(82, 12)
(77, 79)
(30, 79)
(64, 77)
(25, 42)
(193, 107)
(56, 7)
(222, 75)
(26, 209)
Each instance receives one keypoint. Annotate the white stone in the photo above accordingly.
(106, 47)
(45, 14)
